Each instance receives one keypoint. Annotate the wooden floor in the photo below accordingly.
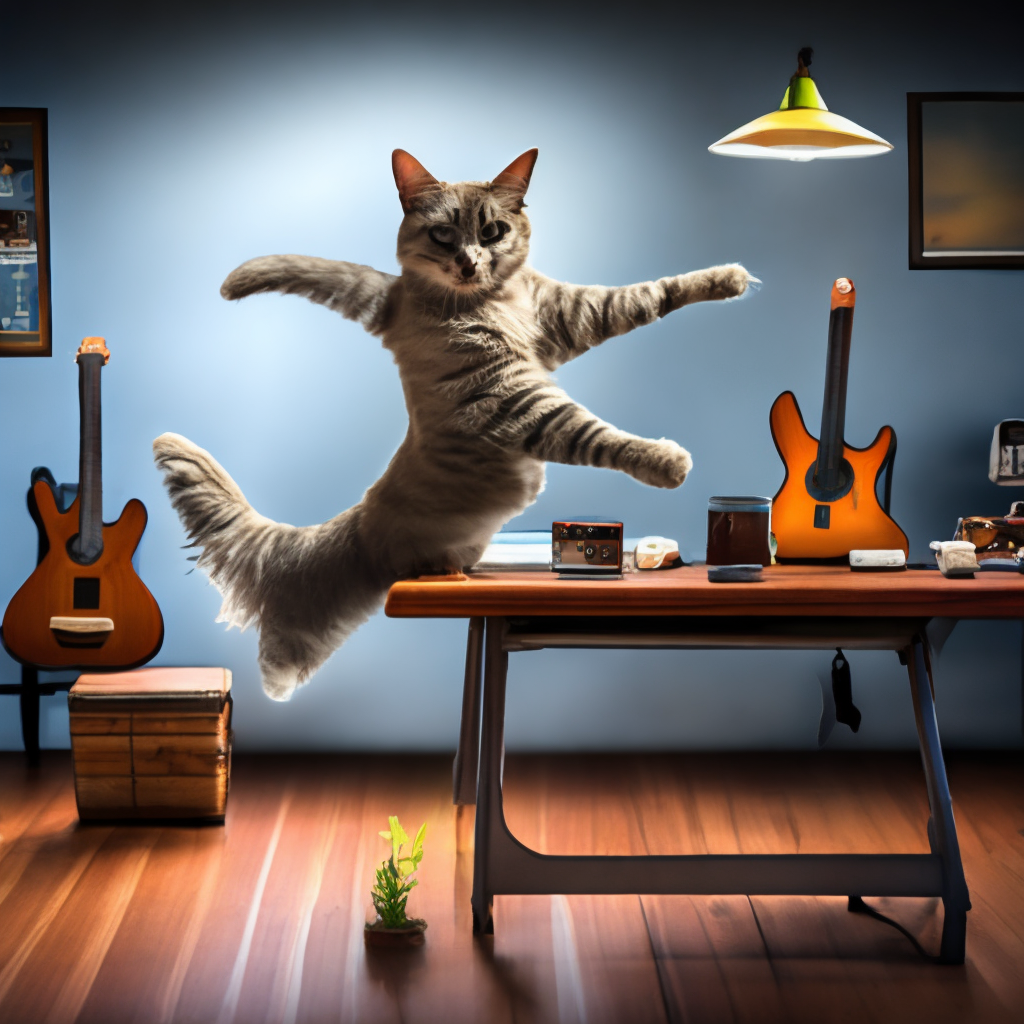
(261, 920)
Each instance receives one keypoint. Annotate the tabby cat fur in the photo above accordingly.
(476, 333)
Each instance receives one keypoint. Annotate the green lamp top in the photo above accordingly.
(802, 92)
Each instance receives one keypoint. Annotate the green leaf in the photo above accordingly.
(397, 832)
(385, 835)
(398, 837)
(417, 846)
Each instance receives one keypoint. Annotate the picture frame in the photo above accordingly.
(965, 154)
(25, 313)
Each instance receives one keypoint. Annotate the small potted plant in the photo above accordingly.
(390, 892)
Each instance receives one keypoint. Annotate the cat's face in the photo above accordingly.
(464, 238)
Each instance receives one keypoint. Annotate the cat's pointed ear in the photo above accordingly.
(516, 177)
(411, 177)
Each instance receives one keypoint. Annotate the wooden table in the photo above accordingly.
(793, 607)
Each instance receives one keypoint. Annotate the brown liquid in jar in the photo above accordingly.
(738, 530)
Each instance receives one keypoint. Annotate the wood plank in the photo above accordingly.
(161, 724)
(206, 923)
(785, 590)
(80, 933)
(331, 962)
(147, 723)
(140, 977)
(267, 974)
(102, 755)
(873, 973)
(989, 808)
(83, 724)
(88, 923)
(156, 756)
(155, 746)
(261, 794)
(182, 793)
(450, 978)
(101, 794)
(47, 810)
(26, 791)
(712, 960)
(93, 745)
(162, 680)
(600, 951)
(47, 883)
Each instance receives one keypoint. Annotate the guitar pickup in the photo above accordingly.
(81, 631)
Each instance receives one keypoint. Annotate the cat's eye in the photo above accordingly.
(442, 234)
(493, 231)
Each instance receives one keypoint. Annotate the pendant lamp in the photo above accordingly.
(802, 129)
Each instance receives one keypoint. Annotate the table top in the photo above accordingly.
(784, 590)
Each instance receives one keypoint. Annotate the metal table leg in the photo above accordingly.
(941, 826)
(490, 818)
(467, 756)
(503, 865)
(29, 699)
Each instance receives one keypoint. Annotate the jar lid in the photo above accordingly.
(739, 503)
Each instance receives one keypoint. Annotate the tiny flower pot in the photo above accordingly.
(376, 935)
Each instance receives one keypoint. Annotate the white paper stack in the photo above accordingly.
(517, 551)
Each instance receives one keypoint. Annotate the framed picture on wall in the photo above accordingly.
(24, 234)
(966, 155)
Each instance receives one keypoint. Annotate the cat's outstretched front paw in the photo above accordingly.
(662, 464)
(730, 281)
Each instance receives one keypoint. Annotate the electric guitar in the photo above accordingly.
(828, 506)
(84, 606)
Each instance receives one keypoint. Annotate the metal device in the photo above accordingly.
(586, 547)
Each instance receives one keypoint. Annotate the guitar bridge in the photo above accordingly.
(80, 631)
(822, 515)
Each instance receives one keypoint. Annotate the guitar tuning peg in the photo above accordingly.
(95, 345)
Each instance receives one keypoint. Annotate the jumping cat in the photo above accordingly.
(475, 333)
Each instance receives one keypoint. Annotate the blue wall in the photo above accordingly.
(181, 146)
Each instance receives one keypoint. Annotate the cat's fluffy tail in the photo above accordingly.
(306, 588)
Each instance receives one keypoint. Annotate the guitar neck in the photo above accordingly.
(833, 409)
(88, 546)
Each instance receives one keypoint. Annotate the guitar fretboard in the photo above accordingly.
(833, 409)
(88, 546)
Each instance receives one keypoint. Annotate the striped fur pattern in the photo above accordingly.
(476, 334)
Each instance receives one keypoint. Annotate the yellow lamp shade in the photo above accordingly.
(800, 133)
(803, 128)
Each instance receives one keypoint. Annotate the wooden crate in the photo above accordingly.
(154, 743)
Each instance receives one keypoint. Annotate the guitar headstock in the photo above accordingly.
(843, 293)
(97, 346)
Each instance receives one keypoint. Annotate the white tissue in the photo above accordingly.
(653, 552)
(955, 557)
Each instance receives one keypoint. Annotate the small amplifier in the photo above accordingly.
(587, 547)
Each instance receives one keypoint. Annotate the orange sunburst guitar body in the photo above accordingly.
(828, 505)
(84, 606)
